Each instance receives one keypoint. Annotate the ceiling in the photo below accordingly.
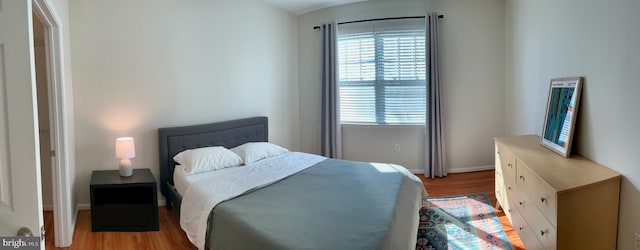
(299, 7)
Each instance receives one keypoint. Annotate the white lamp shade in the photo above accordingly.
(125, 148)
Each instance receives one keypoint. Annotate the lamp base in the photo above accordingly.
(126, 169)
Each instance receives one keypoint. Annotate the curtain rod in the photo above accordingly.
(379, 19)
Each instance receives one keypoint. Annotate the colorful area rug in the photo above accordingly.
(460, 222)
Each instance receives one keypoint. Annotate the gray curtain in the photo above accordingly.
(434, 140)
(331, 138)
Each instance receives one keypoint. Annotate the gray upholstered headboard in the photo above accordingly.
(227, 134)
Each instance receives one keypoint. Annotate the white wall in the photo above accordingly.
(378, 144)
(141, 65)
(599, 40)
(472, 77)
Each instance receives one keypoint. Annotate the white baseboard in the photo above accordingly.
(416, 171)
(458, 170)
(471, 169)
(87, 206)
(47, 207)
(83, 206)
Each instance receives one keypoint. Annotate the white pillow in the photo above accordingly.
(254, 151)
(200, 160)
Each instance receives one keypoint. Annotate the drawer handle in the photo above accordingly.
(543, 200)
(522, 177)
(521, 203)
(543, 232)
(509, 188)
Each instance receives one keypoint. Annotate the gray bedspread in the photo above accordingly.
(335, 204)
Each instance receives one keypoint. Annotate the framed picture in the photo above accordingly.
(560, 115)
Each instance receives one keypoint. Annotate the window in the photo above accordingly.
(382, 74)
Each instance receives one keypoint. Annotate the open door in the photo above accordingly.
(20, 194)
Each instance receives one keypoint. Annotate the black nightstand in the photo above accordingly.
(124, 203)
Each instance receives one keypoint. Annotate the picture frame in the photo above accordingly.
(561, 113)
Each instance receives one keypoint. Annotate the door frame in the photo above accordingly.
(63, 212)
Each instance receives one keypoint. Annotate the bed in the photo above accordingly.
(322, 204)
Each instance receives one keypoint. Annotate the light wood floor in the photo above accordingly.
(171, 236)
(470, 183)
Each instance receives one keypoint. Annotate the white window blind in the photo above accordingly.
(381, 68)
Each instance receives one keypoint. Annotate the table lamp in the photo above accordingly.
(125, 150)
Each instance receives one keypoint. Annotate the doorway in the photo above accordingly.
(44, 131)
(54, 101)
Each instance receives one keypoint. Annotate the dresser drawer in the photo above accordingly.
(538, 224)
(499, 187)
(509, 190)
(502, 195)
(507, 163)
(525, 232)
(541, 195)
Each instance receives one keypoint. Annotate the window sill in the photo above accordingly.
(382, 126)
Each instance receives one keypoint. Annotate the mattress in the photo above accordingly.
(299, 200)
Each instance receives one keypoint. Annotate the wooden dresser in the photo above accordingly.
(555, 202)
